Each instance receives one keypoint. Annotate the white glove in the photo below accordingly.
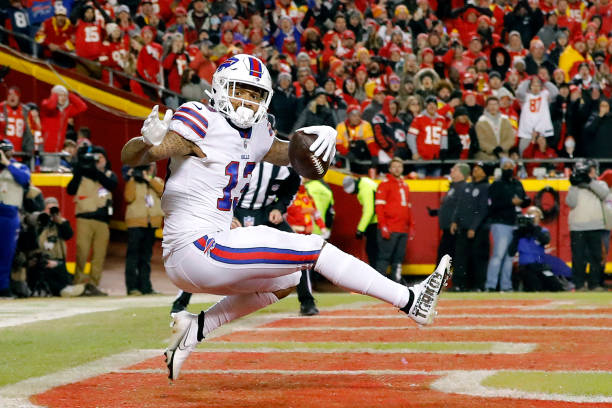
(153, 130)
(325, 144)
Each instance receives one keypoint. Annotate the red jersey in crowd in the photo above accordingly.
(428, 132)
(55, 120)
(13, 124)
(463, 132)
(175, 64)
(302, 213)
(533, 152)
(88, 40)
(393, 207)
(114, 54)
(149, 62)
(50, 33)
(605, 12)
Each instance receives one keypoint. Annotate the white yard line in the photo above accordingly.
(19, 312)
(443, 328)
(17, 395)
(470, 383)
(492, 347)
(465, 315)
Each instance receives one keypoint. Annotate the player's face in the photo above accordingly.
(396, 168)
(247, 96)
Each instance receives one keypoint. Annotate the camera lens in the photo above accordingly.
(54, 210)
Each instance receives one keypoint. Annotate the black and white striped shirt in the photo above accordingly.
(268, 182)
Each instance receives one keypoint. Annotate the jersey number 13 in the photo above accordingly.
(227, 202)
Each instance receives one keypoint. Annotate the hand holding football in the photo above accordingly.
(305, 162)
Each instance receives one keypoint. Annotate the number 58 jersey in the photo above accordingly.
(201, 193)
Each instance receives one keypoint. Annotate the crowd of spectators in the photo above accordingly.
(420, 80)
(417, 79)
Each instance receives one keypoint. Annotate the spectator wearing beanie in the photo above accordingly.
(537, 58)
(284, 104)
(55, 111)
(461, 141)
(597, 131)
(317, 112)
(448, 207)
(356, 139)
(389, 134)
(472, 233)
(425, 135)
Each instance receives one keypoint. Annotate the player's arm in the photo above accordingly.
(278, 153)
(156, 142)
(137, 152)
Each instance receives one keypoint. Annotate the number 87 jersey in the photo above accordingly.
(201, 193)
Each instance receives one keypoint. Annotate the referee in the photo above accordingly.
(269, 193)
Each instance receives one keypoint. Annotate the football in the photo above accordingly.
(303, 160)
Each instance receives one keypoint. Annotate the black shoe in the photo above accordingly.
(308, 309)
(6, 294)
(20, 289)
(92, 290)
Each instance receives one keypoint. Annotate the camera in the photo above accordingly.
(5, 146)
(580, 175)
(138, 173)
(86, 158)
(525, 221)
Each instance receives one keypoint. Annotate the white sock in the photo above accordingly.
(233, 307)
(348, 272)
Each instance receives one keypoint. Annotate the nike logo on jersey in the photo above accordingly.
(197, 107)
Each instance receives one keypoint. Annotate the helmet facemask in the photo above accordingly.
(243, 116)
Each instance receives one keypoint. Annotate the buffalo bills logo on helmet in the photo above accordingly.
(227, 63)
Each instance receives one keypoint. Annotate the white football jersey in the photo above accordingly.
(200, 194)
(535, 115)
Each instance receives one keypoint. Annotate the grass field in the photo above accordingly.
(493, 350)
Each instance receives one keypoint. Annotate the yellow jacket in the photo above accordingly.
(346, 134)
(144, 204)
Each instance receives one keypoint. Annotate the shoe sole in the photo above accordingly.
(445, 262)
(174, 343)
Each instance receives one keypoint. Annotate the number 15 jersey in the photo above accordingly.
(201, 193)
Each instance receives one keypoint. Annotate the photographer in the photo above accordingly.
(47, 272)
(530, 240)
(586, 223)
(143, 216)
(14, 180)
(91, 185)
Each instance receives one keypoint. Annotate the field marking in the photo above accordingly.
(444, 328)
(17, 395)
(16, 313)
(470, 383)
(465, 315)
(490, 347)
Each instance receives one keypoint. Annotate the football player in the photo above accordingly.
(212, 152)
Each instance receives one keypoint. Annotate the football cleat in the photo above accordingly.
(186, 334)
(424, 295)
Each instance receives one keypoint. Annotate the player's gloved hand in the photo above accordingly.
(325, 144)
(359, 234)
(325, 233)
(384, 231)
(153, 130)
